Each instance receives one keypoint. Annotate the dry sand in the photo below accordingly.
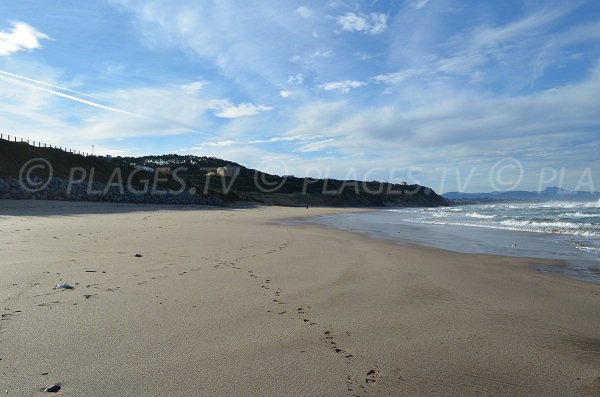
(227, 302)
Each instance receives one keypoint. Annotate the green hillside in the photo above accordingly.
(209, 176)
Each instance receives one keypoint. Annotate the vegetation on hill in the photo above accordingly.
(210, 176)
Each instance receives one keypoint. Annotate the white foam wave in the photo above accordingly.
(585, 229)
(592, 205)
(593, 250)
(567, 204)
(548, 225)
(578, 215)
(479, 216)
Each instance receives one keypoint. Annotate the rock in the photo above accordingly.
(4, 187)
(53, 389)
(138, 255)
(56, 189)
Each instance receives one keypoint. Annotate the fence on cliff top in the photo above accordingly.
(13, 138)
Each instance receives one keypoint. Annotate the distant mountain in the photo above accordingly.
(548, 194)
(206, 179)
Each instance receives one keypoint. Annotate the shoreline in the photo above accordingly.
(230, 301)
(540, 248)
(529, 262)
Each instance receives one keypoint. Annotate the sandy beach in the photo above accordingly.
(233, 302)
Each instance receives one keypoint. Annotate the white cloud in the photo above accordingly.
(364, 56)
(285, 94)
(491, 37)
(194, 86)
(352, 22)
(318, 117)
(379, 23)
(343, 86)
(438, 118)
(225, 143)
(509, 53)
(373, 23)
(316, 146)
(297, 79)
(291, 138)
(30, 109)
(230, 111)
(21, 37)
(418, 4)
(395, 78)
(235, 142)
(249, 42)
(321, 54)
(304, 12)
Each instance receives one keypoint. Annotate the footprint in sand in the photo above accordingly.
(331, 340)
(372, 376)
(7, 316)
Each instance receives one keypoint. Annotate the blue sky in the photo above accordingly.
(456, 95)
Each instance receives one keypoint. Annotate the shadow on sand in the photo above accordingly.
(74, 208)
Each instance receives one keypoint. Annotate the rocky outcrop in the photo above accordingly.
(58, 189)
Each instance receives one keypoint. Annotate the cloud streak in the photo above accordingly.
(66, 96)
(343, 86)
(46, 84)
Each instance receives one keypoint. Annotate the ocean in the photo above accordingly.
(566, 231)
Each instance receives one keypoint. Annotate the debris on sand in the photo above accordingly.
(138, 255)
(63, 286)
(53, 389)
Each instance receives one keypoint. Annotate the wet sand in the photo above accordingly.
(229, 302)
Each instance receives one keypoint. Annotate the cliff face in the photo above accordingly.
(28, 172)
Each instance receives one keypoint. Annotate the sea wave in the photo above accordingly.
(578, 215)
(567, 218)
(586, 229)
(563, 204)
(479, 216)
(593, 205)
(582, 229)
(586, 248)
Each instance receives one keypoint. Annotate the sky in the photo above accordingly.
(455, 95)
